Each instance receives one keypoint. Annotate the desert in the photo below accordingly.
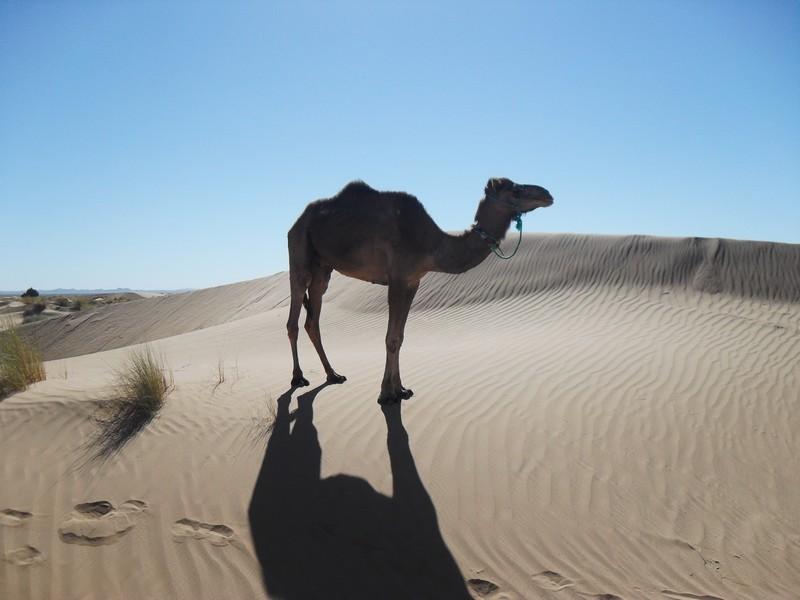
(380, 300)
(604, 416)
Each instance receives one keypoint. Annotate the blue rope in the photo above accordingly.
(496, 247)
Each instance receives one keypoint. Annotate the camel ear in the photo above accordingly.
(498, 184)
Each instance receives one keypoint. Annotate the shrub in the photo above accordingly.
(20, 363)
(36, 308)
(141, 387)
(30, 293)
(143, 381)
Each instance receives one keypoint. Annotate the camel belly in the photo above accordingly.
(364, 275)
(365, 263)
(364, 259)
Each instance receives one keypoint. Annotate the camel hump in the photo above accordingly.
(364, 212)
(358, 191)
(356, 187)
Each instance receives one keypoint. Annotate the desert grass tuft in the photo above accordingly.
(144, 380)
(141, 387)
(220, 373)
(20, 362)
(263, 423)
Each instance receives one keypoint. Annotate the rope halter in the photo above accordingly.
(494, 244)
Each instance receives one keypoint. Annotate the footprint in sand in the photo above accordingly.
(24, 556)
(687, 596)
(555, 582)
(217, 535)
(482, 587)
(13, 518)
(552, 581)
(97, 523)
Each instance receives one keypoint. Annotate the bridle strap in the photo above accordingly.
(494, 244)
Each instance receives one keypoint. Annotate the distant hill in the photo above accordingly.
(80, 292)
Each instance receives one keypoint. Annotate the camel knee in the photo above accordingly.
(292, 330)
(393, 343)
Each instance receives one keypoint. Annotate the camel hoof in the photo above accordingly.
(336, 378)
(394, 397)
(386, 399)
(299, 381)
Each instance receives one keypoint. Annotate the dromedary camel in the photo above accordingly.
(388, 238)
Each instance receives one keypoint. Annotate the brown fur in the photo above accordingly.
(387, 238)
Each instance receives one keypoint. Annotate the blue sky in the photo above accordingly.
(171, 145)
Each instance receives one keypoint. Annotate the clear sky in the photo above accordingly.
(170, 145)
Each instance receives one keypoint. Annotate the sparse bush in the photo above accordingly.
(20, 363)
(29, 293)
(36, 308)
(61, 302)
(141, 387)
(77, 304)
(143, 381)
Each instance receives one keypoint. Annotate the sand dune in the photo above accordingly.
(546, 263)
(157, 317)
(601, 417)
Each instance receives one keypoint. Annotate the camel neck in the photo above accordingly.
(459, 253)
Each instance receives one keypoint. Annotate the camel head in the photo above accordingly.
(519, 197)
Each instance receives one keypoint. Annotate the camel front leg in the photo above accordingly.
(401, 295)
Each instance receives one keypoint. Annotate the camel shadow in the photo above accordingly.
(337, 537)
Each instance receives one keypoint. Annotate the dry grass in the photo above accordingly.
(220, 373)
(263, 422)
(141, 388)
(144, 380)
(20, 362)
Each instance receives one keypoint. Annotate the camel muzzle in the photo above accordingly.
(534, 193)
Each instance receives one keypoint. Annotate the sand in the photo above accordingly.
(601, 417)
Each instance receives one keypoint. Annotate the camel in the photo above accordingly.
(388, 238)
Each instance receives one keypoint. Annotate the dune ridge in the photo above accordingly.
(545, 263)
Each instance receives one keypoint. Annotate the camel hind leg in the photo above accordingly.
(319, 284)
(299, 280)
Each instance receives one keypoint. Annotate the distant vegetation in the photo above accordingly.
(20, 362)
(78, 304)
(36, 308)
(33, 306)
